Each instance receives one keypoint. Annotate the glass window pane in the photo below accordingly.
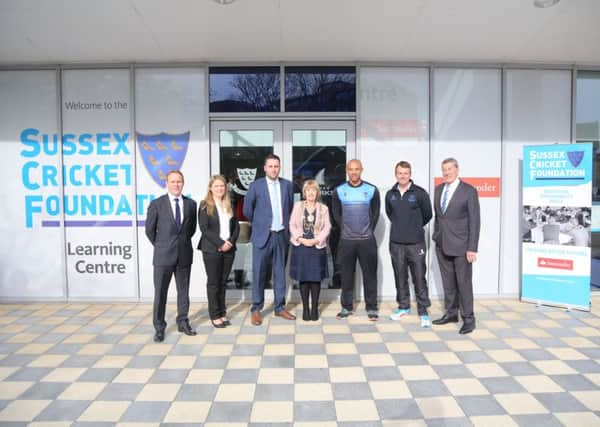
(320, 89)
(242, 153)
(588, 112)
(588, 130)
(320, 155)
(246, 138)
(244, 89)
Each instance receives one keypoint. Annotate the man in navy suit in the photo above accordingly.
(268, 205)
(170, 225)
(456, 236)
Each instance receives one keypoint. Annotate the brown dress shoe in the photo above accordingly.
(285, 314)
(256, 318)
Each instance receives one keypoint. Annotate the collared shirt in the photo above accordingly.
(224, 219)
(172, 200)
(451, 189)
(275, 194)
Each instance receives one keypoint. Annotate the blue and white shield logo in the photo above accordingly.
(162, 153)
(575, 157)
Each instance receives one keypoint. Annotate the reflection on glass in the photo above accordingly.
(242, 154)
(321, 155)
(320, 89)
(244, 89)
(588, 119)
(588, 130)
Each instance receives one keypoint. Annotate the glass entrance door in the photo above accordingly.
(308, 149)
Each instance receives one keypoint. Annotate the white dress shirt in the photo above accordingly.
(451, 189)
(172, 200)
(273, 185)
(224, 218)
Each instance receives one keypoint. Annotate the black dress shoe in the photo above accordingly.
(467, 328)
(226, 322)
(446, 319)
(218, 325)
(186, 328)
(159, 336)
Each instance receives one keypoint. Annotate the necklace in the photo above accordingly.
(311, 214)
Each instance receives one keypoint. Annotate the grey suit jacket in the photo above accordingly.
(456, 231)
(171, 246)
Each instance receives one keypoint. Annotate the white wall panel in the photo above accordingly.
(31, 252)
(98, 184)
(537, 110)
(172, 101)
(467, 126)
(393, 125)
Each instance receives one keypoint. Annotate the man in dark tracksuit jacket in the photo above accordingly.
(409, 209)
(355, 208)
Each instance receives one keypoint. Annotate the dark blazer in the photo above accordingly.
(257, 208)
(211, 227)
(457, 230)
(171, 246)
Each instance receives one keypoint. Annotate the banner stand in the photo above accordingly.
(556, 225)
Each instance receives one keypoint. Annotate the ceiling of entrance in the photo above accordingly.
(498, 31)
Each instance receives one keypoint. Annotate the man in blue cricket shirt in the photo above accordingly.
(355, 208)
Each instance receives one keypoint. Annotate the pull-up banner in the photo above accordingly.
(556, 224)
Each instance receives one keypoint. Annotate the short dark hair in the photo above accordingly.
(177, 171)
(404, 165)
(272, 157)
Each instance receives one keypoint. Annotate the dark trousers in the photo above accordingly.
(457, 279)
(365, 251)
(413, 257)
(273, 254)
(218, 267)
(162, 279)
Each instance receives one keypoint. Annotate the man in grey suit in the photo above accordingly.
(268, 205)
(456, 235)
(170, 225)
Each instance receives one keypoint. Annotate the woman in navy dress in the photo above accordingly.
(309, 229)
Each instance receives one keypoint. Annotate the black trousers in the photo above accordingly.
(365, 251)
(162, 279)
(218, 266)
(411, 257)
(457, 280)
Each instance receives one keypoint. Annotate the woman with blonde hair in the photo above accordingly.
(220, 230)
(309, 230)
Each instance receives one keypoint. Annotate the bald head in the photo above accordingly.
(354, 170)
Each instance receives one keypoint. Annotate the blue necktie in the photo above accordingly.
(177, 214)
(445, 199)
(276, 224)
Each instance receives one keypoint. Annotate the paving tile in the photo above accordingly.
(480, 405)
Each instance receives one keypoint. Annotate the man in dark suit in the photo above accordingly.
(268, 205)
(456, 235)
(170, 225)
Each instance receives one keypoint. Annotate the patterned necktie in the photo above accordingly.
(276, 224)
(445, 198)
(177, 214)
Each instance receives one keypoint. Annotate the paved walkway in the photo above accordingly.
(82, 364)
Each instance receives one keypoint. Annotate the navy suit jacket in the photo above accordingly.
(171, 246)
(257, 208)
(457, 230)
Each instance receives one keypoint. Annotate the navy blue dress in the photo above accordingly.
(308, 264)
